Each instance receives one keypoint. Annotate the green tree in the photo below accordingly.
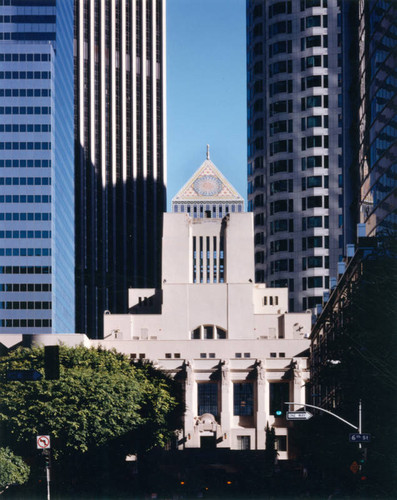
(13, 469)
(100, 396)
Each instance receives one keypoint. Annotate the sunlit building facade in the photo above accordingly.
(120, 148)
(294, 103)
(36, 167)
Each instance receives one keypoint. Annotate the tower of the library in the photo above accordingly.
(294, 144)
(120, 142)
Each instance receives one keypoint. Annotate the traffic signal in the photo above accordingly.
(363, 457)
(278, 413)
(51, 362)
(47, 458)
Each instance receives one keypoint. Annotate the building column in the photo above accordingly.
(299, 383)
(225, 427)
(260, 405)
(190, 432)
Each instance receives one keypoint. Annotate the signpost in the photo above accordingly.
(44, 444)
(23, 375)
(298, 415)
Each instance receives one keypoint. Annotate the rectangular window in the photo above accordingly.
(207, 398)
(279, 394)
(243, 442)
(243, 399)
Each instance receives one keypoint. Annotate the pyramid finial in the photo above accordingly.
(208, 151)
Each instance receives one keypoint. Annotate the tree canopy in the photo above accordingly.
(100, 396)
(13, 469)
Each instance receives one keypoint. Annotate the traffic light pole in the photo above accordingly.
(333, 414)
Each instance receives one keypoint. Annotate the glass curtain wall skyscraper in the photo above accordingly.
(370, 127)
(36, 167)
(120, 147)
(294, 101)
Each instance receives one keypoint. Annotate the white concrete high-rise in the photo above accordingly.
(120, 150)
(294, 144)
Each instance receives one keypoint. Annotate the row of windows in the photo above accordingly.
(311, 262)
(314, 41)
(25, 110)
(281, 87)
(25, 181)
(281, 246)
(315, 221)
(281, 206)
(281, 186)
(25, 269)
(282, 146)
(309, 82)
(30, 146)
(314, 61)
(314, 162)
(213, 209)
(25, 234)
(16, 198)
(315, 242)
(281, 225)
(314, 141)
(25, 305)
(315, 261)
(281, 166)
(311, 302)
(24, 57)
(280, 67)
(31, 35)
(314, 101)
(243, 398)
(25, 92)
(25, 323)
(25, 216)
(279, 28)
(309, 4)
(315, 202)
(280, 47)
(314, 121)
(315, 282)
(28, 19)
(280, 107)
(208, 332)
(25, 287)
(25, 163)
(314, 181)
(25, 75)
(280, 127)
(314, 21)
(280, 8)
(25, 252)
(25, 127)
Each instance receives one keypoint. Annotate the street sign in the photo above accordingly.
(359, 438)
(298, 415)
(354, 467)
(23, 375)
(43, 442)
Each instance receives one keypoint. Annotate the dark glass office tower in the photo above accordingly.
(120, 147)
(36, 167)
(370, 121)
(294, 101)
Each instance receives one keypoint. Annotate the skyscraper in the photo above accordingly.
(370, 121)
(36, 167)
(294, 101)
(120, 147)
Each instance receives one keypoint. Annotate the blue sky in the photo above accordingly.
(206, 90)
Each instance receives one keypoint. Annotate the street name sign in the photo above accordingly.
(23, 375)
(43, 442)
(298, 415)
(359, 438)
